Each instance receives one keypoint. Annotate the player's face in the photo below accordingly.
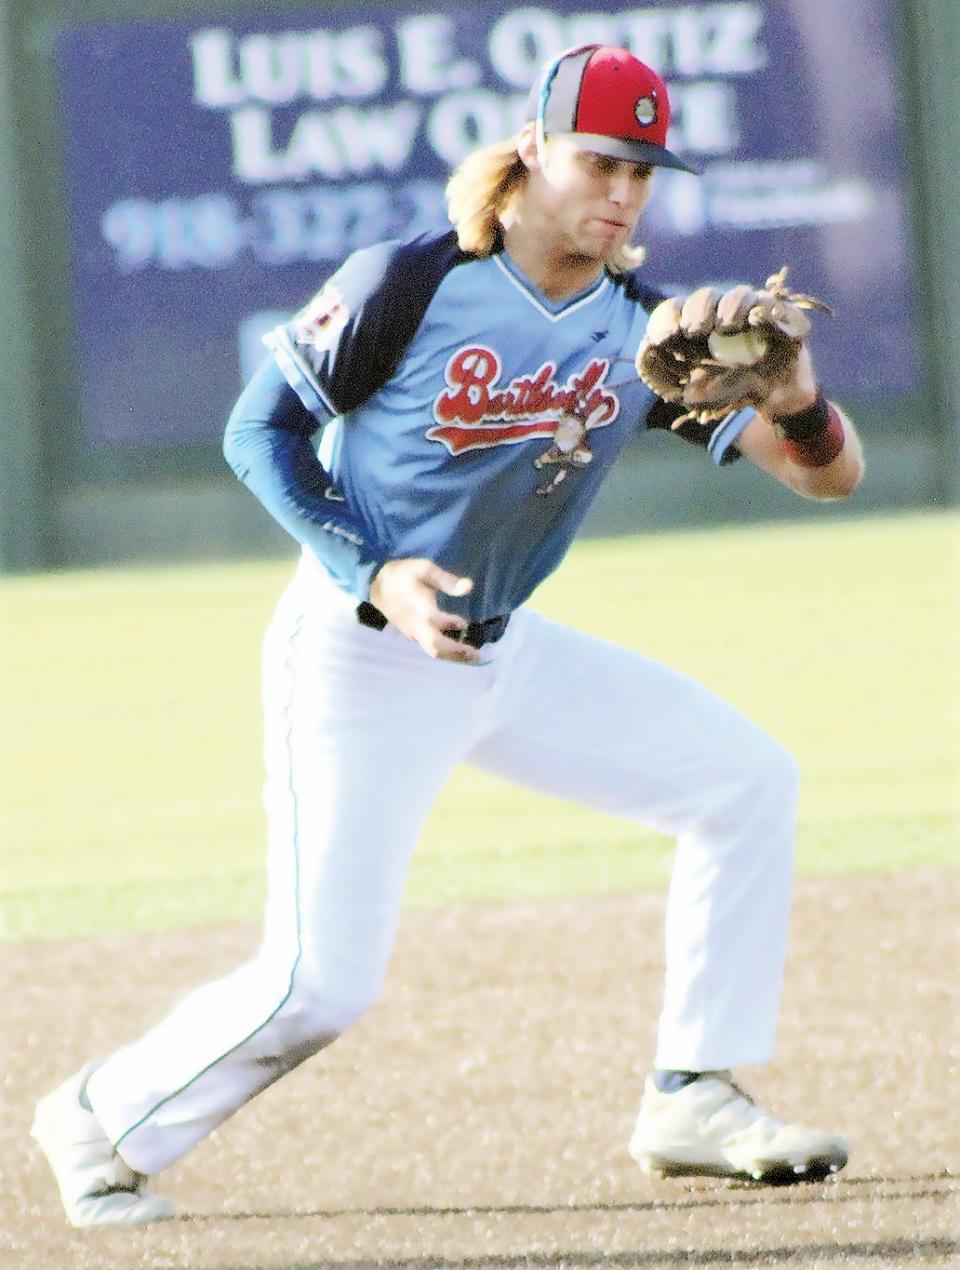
(591, 201)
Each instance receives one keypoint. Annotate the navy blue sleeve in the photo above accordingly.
(267, 444)
(348, 340)
(716, 438)
(331, 357)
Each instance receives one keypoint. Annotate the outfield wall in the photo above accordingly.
(119, 369)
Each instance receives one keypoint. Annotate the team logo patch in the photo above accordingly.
(476, 412)
(646, 111)
(319, 324)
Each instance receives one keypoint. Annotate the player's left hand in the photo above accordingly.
(720, 351)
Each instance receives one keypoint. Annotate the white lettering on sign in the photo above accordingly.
(214, 82)
(275, 226)
(521, 41)
(593, 28)
(693, 40)
(461, 122)
(355, 64)
(717, 39)
(254, 77)
(428, 56)
(335, 143)
(734, 46)
(278, 69)
(704, 117)
(271, 68)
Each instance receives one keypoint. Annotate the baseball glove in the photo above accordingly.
(717, 352)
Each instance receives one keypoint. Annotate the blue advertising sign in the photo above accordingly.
(218, 170)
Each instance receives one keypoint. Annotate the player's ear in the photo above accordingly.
(527, 147)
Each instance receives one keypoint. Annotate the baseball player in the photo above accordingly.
(470, 389)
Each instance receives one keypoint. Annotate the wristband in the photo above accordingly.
(812, 437)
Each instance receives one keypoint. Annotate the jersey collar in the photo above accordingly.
(554, 310)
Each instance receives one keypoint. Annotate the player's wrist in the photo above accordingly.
(784, 402)
(813, 436)
(794, 394)
(804, 421)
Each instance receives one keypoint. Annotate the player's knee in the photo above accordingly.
(324, 1010)
(769, 805)
(767, 775)
(759, 779)
(777, 771)
(305, 1026)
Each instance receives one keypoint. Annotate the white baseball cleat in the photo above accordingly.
(96, 1186)
(712, 1128)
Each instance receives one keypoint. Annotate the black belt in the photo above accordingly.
(476, 635)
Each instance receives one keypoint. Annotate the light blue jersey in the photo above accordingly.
(468, 419)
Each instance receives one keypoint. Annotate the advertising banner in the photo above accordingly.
(218, 170)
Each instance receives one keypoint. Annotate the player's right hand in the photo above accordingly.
(405, 591)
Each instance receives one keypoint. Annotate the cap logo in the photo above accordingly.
(646, 110)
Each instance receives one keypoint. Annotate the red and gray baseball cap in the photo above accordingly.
(611, 101)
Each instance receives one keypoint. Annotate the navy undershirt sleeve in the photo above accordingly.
(268, 445)
(664, 414)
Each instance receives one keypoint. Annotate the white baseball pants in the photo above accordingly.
(362, 729)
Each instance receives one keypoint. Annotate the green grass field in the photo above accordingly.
(131, 729)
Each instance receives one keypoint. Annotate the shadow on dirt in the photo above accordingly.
(896, 1251)
(747, 1193)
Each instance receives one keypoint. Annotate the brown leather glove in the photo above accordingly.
(717, 352)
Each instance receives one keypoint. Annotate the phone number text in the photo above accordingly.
(273, 227)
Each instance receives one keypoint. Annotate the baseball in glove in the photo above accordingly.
(717, 352)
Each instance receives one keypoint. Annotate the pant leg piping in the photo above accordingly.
(296, 856)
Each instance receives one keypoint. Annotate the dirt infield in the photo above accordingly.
(478, 1116)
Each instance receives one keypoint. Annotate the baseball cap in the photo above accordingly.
(611, 101)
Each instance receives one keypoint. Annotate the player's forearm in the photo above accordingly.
(824, 458)
(282, 470)
(836, 479)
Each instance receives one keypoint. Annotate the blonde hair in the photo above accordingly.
(481, 191)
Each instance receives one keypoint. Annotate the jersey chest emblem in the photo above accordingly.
(476, 412)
